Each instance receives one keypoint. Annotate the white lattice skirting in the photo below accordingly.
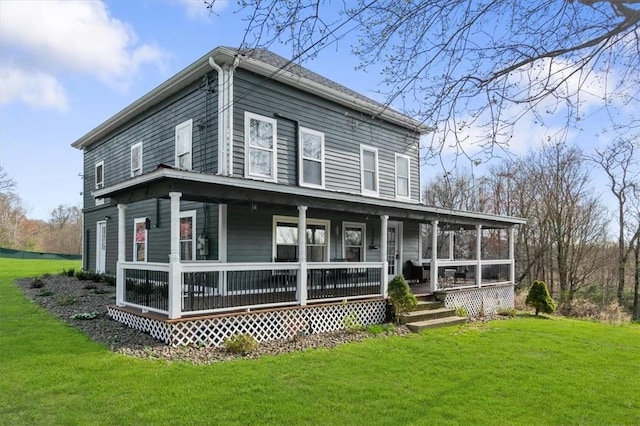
(263, 326)
(482, 301)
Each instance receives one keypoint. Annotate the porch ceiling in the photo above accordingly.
(196, 186)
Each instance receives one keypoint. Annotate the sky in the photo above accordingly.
(67, 66)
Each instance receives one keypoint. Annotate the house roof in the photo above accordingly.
(204, 187)
(262, 62)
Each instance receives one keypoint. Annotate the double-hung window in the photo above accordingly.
(286, 239)
(136, 159)
(140, 239)
(354, 239)
(187, 235)
(260, 135)
(369, 170)
(184, 132)
(311, 158)
(99, 178)
(403, 181)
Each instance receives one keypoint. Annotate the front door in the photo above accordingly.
(394, 248)
(101, 246)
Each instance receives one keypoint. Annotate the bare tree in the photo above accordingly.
(64, 230)
(7, 184)
(459, 65)
(621, 163)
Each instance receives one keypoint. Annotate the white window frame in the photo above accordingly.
(248, 116)
(136, 221)
(186, 124)
(302, 158)
(136, 171)
(363, 243)
(294, 220)
(192, 214)
(408, 177)
(99, 184)
(364, 190)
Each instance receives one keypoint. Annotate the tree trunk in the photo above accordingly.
(621, 256)
(636, 287)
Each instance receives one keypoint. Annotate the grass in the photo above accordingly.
(521, 371)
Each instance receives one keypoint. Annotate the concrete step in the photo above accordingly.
(427, 314)
(418, 326)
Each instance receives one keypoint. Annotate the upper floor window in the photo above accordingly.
(369, 170)
(260, 135)
(354, 239)
(187, 235)
(311, 158)
(99, 177)
(140, 240)
(184, 132)
(403, 182)
(136, 159)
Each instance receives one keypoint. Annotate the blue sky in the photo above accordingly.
(65, 67)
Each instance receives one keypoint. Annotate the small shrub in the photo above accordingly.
(109, 280)
(90, 287)
(82, 275)
(401, 297)
(241, 344)
(507, 312)
(96, 277)
(45, 293)
(461, 311)
(539, 298)
(71, 272)
(378, 329)
(37, 283)
(351, 322)
(65, 301)
(46, 275)
(85, 316)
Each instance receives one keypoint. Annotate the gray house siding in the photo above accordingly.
(159, 214)
(344, 131)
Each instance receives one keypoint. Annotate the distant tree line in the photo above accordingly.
(567, 240)
(61, 233)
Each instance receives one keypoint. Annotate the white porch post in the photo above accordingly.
(479, 255)
(512, 255)
(434, 256)
(222, 246)
(384, 227)
(175, 270)
(302, 255)
(120, 284)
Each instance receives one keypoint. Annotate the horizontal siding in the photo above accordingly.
(159, 212)
(344, 130)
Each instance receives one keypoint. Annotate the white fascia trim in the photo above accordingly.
(191, 176)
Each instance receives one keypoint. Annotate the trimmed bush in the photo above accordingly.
(539, 298)
(37, 283)
(401, 297)
(241, 344)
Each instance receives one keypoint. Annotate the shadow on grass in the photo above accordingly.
(531, 315)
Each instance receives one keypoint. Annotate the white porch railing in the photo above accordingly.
(463, 274)
(215, 287)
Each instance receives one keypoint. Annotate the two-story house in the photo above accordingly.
(246, 182)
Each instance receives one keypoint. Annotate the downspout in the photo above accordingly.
(222, 170)
(230, 72)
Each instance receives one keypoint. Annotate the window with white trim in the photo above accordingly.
(311, 158)
(285, 239)
(187, 235)
(354, 236)
(184, 133)
(260, 136)
(140, 239)
(403, 180)
(369, 170)
(99, 180)
(136, 159)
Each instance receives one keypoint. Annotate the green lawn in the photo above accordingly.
(524, 371)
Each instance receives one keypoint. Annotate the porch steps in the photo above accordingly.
(430, 314)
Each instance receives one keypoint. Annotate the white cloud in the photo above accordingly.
(36, 89)
(197, 9)
(47, 38)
